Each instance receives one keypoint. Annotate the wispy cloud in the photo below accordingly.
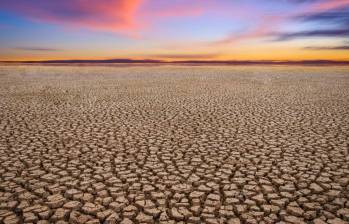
(260, 30)
(186, 56)
(338, 18)
(268, 26)
(341, 48)
(314, 33)
(179, 8)
(35, 49)
(322, 6)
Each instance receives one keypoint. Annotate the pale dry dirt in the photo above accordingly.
(174, 144)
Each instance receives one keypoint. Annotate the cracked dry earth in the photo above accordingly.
(174, 144)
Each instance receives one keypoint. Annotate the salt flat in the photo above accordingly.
(170, 144)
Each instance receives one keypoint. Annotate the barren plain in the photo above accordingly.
(174, 144)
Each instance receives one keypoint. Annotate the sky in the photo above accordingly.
(174, 30)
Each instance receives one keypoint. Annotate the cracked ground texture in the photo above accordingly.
(174, 144)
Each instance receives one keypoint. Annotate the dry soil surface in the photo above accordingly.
(174, 144)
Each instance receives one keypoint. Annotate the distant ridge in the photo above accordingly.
(198, 62)
(268, 62)
(89, 61)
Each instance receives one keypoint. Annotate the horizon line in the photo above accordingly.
(154, 61)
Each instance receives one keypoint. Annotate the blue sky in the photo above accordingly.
(174, 29)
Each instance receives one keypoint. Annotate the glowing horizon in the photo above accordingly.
(175, 30)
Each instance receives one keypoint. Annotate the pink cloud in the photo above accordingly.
(109, 15)
(328, 5)
(128, 17)
(265, 26)
(179, 11)
(268, 25)
(161, 9)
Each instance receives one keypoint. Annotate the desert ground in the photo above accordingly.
(174, 144)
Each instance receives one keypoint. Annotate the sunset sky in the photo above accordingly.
(174, 29)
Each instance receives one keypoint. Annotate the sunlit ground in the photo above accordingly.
(171, 143)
